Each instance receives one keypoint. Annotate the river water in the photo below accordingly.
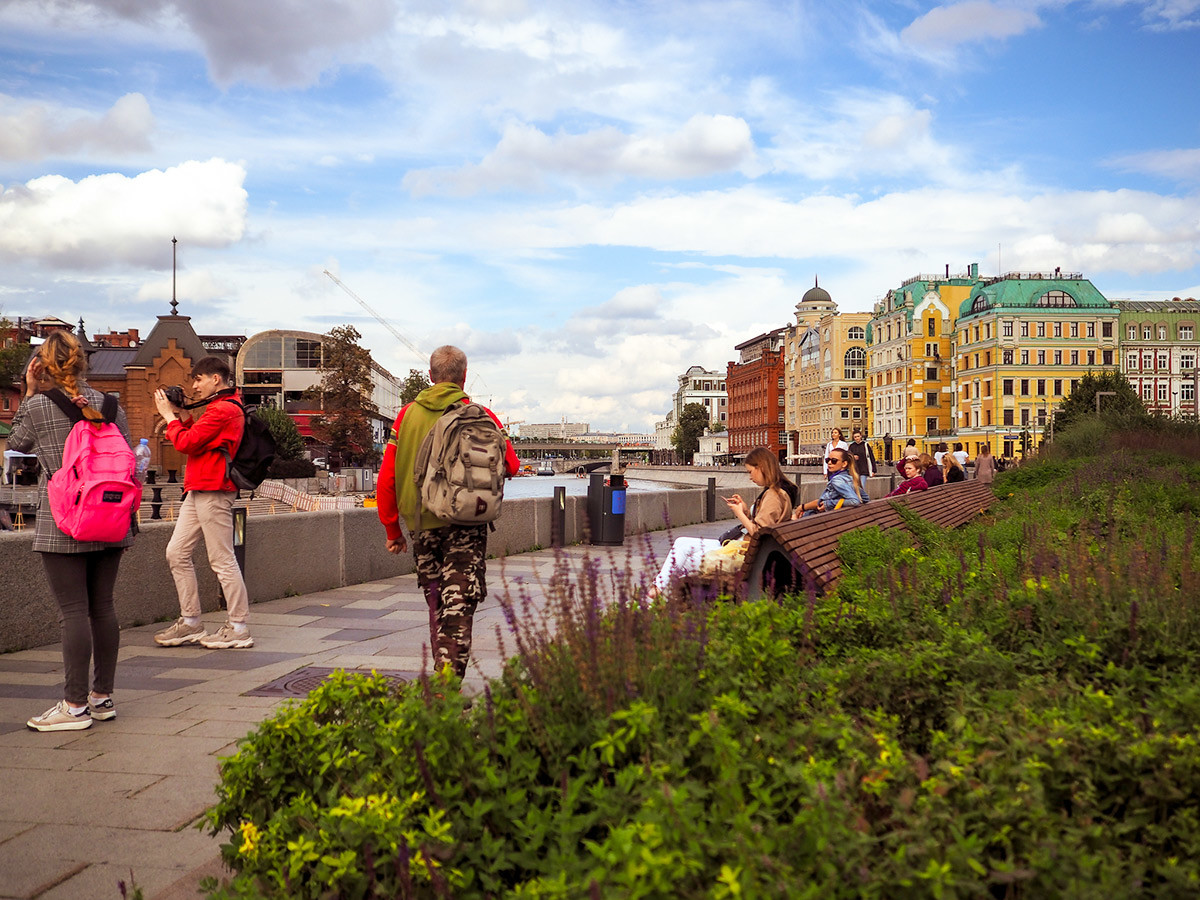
(544, 485)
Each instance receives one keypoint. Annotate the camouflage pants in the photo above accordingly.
(451, 563)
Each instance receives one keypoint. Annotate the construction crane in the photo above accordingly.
(382, 321)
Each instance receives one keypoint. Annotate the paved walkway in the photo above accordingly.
(81, 810)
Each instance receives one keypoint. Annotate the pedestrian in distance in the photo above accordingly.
(81, 574)
(864, 456)
(207, 509)
(910, 449)
(942, 450)
(985, 465)
(836, 442)
(961, 455)
(931, 471)
(451, 559)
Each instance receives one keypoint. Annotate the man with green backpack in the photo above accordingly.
(443, 473)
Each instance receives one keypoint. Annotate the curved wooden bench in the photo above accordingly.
(802, 555)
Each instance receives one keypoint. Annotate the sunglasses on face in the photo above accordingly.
(833, 459)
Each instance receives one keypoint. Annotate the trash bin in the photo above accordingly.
(606, 509)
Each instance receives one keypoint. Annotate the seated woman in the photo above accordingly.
(910, 469)
(770, 508)
(930, 470)
(843, 488)
(952, 470)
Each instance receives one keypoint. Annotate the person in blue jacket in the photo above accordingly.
(843, 488)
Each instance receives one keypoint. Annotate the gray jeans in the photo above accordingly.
(82, 584)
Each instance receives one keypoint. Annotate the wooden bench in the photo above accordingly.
(802, 554)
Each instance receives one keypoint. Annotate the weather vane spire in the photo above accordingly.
(174, 302)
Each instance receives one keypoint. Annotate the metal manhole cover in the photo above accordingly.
(300, 682)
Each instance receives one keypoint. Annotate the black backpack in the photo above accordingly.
(248, 467)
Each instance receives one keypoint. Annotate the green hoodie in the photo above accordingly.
(418, 421)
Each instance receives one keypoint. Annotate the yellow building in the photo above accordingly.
(1022, 342)
(910, 383)
(825, 366)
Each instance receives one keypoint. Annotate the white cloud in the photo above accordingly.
(1173, 15)
(945, 27)
(704, 145)
(113, 219)
(35, 131)
(1181, 165)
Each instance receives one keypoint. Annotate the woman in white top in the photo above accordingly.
(836, 442)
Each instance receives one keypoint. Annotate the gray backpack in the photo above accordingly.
(459, 469)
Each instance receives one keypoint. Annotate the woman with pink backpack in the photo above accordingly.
(81, 573)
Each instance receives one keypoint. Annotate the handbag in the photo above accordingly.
(725, 560)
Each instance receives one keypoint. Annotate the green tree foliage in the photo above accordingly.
(345, 394)
(412, 385)
(686, 437)
(1124, 404)
(717, 427)
(288, 442)
(12, 354)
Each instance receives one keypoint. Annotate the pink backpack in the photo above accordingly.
(94, 495)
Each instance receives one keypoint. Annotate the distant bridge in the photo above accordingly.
(524, 448)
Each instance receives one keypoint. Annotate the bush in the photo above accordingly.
(1006, 710)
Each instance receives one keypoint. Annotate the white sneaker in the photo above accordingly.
(180, 633)
(60, 718)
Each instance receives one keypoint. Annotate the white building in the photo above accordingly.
(714, 449)
(552, 431)
(703, 386)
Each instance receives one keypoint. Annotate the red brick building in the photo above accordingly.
(755, 387)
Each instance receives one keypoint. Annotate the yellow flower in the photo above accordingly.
(250, 837)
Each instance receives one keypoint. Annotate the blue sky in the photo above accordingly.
(587, 197)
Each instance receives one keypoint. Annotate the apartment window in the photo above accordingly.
(1132, 332)
(1058, 329)
(1006, 329)
(1008, 387)
(1162, 332)
(1187, 361)
(1147, 360)
(1057, 387)
(1131, 362)
(846, 393)
(1041, 387)
(1041, 329)
(1162, 360)
(931, 350)
(931, 398)
(931, 327)
(1074, 357)
(987, 331)
(931, 373)
(1006, 357)
(977, 360)
(931, 425)
(845, 412)
(1162, 392)
(1185, 332)
(987, 389)
(987, 358)
(975, 388)
(1024, 329)
(1091, 357)
(1147, 391)
(1074, 329)
(1108, 357)
(1187, 392)
(1091, 329)
(1008, 417)
(976, 333)
(1024, 357)
(1024, 387)
(1025, 415)
(1106, 329)
(1147, 332)
(1058, 357)
(1041, 357)
(857, 412)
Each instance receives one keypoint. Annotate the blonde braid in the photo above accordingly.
(66, 372)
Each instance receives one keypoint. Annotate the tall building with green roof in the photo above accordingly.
(1022, 342)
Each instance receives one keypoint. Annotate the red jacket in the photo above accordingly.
(385, 483)
(202, 440)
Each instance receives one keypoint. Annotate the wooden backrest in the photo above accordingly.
(810, 544)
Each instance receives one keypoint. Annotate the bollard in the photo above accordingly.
(239, 550)
(151, 476)
(171, 479)
(156, 503)
(710, 501)
(558, 517)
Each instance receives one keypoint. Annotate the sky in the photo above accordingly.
(587, 197)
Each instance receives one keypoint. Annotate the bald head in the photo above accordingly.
(448, 363)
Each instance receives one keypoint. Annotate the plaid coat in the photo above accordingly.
(41, 427)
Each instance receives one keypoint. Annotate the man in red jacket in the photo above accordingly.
(207, 508)
(451, 560)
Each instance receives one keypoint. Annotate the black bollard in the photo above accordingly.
(156, 503)
(558, 517)
(710, 501)
(171, 479)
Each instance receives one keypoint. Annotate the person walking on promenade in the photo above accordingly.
(864, 456)
(836, 442)
(451, 560)
(910, 449)
(985, 465)
(81, 574)
(207, 509)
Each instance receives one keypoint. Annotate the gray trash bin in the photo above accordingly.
(606, 509)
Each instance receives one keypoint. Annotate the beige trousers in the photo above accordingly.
(207, 514)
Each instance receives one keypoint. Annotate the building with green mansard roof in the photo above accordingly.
(1021, 344)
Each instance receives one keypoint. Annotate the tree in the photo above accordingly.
(288, 442)
(1124, 403)
(686, 437)
(345, 393)
(412, 385)
(13, 354)
(716, 427)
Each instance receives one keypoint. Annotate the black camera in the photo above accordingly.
(175, 395)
